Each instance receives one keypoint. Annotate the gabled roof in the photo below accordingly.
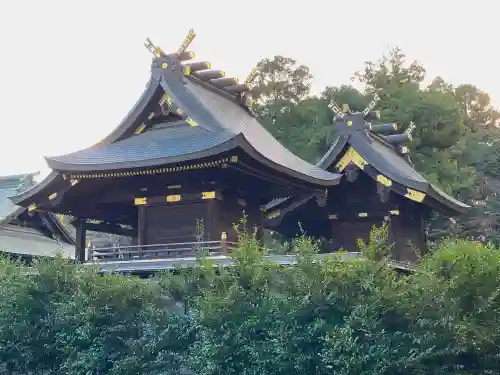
(23, 240)
(384, 158)
(211, 118)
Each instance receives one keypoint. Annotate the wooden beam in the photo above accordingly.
(198, 66)
(397, 139)
(351, 172)
(107, 227)
(145, 200)
(158, 185)
(238, 88)
(210, 74)
(283, 182)
(384, 128)
(361, 215)
(383, 192)
(81, 242)
(185, 56)
(141, 226)
(111, 213)
(223, 82)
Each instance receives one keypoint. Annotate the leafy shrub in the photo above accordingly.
(64, 319)
(354, 316)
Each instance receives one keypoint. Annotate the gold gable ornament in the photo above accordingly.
(384, 180)
(414, 195)
(351, 156)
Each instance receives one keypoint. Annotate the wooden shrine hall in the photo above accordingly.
(181, 168)
(380, 185)
(27, 235)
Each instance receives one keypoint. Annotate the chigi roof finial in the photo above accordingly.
(348, 121)
(187, 41)
(410, 129)
(156, 51)
(338, 114)
(369, 112)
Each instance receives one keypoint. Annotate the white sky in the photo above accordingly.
(70, 71)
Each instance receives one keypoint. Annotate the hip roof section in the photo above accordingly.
(18, 185)
(234, 117)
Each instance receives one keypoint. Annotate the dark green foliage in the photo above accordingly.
(347, 317)
(455, 143)
(62, 319)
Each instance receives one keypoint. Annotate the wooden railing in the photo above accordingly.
(165, 256)
(159, 251)
(158, 257)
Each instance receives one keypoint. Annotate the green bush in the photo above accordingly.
(335, 317)
(64, 319)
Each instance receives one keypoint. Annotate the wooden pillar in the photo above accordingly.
(81, 234)
(141, 227)
(407, 232)
(424, 246)
(211, 223)
(223, 243)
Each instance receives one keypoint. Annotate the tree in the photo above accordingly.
(304, 128)
(478, 149)
(281, 93)
(392, 70)
(281, 79)
(434, 112)
(476, 107)
(346, 95)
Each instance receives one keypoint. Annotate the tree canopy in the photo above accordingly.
(454, 140)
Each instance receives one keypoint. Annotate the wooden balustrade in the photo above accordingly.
(184, 253)
(160, 251)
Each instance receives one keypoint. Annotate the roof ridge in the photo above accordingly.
(217, 90)
(202, 71)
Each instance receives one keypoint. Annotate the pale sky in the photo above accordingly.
(70, 71)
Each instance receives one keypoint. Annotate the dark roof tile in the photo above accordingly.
(235, 118)
(151, 148)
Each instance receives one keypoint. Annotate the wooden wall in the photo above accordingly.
(228, 212)
(407, 232)
(171, 223)
(346, 233)
(177, 222)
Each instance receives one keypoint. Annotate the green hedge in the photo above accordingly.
(355, 317)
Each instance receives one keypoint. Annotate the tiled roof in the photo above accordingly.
(151, 148)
